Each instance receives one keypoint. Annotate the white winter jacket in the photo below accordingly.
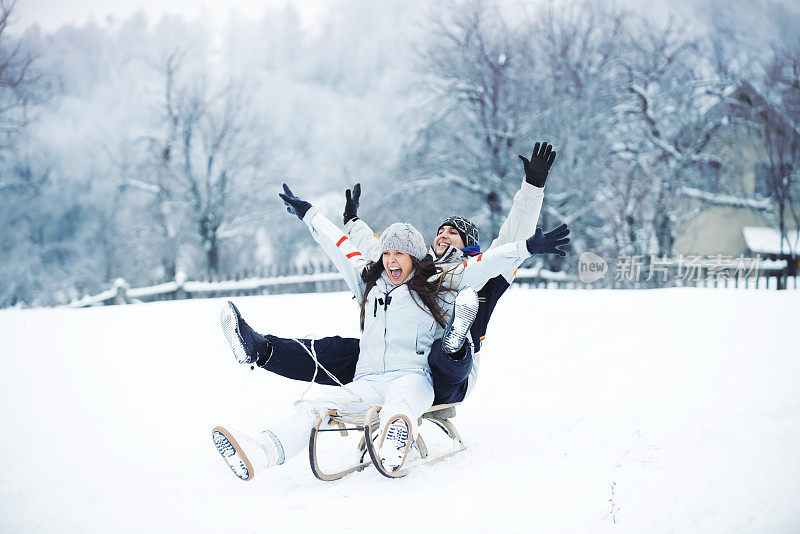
(398, 333)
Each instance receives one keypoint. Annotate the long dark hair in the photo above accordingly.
(418, 284)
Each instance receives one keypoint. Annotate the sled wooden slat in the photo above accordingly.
(442, 411)
(342, 428)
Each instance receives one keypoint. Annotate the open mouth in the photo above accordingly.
(395, 273)
(442, 244)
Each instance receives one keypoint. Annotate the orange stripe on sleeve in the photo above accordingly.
(479, 257)
(342, 240)
(352, 254)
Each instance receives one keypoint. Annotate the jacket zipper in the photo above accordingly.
(385, 304)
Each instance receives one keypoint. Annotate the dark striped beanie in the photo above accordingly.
(467, 230)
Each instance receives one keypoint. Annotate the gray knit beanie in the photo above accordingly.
(405, 238)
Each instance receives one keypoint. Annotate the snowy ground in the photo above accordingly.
(597, 411)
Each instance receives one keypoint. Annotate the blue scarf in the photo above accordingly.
(474, 250)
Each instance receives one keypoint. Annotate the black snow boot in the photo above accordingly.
(247, 345)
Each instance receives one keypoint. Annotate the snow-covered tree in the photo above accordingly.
(199, 163)
(469, 67)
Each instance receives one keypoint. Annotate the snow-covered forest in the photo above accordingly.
(142, 147)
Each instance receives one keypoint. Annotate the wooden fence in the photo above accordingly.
(324, 279)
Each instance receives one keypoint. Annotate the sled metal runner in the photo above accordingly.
(367, 424)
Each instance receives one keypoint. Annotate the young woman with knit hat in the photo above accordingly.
(403, 298)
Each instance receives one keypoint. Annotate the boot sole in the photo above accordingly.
(408, 443)
(464, 313)
(232, 453)
(229, 321)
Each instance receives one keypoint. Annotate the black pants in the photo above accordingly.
(340, 354)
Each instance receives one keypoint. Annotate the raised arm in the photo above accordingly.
(527, 205)
(478, 270)
(362, 235)
(523, 216)
(364, 239)
(336, 245)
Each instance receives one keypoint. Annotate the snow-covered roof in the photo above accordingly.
(765, 240)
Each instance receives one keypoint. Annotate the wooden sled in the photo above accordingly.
(368, 424)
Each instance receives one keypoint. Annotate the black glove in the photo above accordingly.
(540, 243)
(351, 203)
(294, 205)
(539, 165)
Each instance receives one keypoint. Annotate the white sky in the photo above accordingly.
(50, 14)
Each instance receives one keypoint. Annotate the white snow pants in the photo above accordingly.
(398, 392)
